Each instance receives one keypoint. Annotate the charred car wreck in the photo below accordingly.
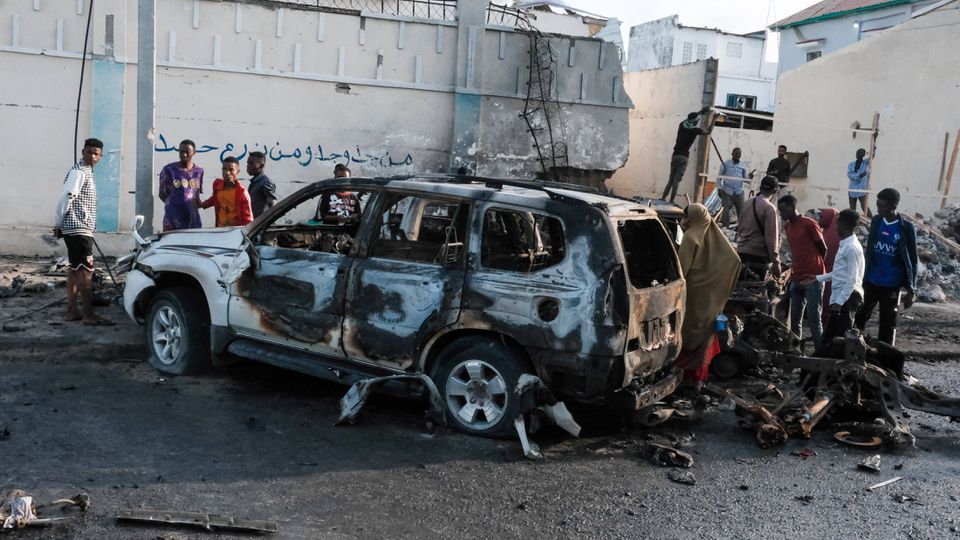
(473, 282)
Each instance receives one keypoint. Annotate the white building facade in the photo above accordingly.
(745, 80)
(830, 25)
(427, 90)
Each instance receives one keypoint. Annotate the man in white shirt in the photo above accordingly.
(846, 295)
(75, 221)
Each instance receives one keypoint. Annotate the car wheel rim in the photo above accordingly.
(476, 394)
(166, 335)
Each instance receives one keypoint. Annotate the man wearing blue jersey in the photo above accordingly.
(891, 265)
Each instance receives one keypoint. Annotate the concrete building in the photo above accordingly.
(827, 107)
(653, 131)
(427, 87)
(831, 25)
(745, 79)
(559, 17)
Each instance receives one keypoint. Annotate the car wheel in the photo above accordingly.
(476, 380)
(178, 332)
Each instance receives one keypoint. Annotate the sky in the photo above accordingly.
(737, 16)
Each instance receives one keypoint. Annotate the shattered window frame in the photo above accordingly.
(341, 239)
(643, 271)
(539, 257)
(460, 222)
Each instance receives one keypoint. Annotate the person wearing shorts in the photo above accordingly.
(75, 222)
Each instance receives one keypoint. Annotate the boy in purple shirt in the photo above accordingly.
(181, 184)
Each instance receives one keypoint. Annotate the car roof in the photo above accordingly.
(505, 190)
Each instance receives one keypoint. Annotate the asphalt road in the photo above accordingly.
(259, 443)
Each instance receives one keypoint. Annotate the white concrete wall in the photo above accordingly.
(763, 89)
(839, 32)
(651, 44)
(662, 98)
(554, 23)
(893, 73)
(314, 87)
(660, 43)
(758, 148)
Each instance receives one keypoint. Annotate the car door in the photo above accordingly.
(410, 282)
(293, 292)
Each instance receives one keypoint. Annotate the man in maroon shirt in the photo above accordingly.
(807, 250)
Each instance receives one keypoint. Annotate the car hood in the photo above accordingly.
(203, 242)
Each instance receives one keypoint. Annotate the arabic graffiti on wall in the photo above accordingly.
(302, 155)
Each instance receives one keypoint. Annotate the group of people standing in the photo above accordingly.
(181, 184)
(828, 265)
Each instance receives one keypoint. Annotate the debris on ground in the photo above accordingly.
(805, 499)
(18, 511)
(902, 498)
(804, 453)
(939, 274)
(672, 407)
(682, 477)
(668, 456)
(871, 463)
(885, 483)
(539, 404)
(863, 381)
(197, 519)
(15, 287)
(356, 397)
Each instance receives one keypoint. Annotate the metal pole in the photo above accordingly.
(146, 109)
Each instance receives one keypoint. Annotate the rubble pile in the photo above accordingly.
(947, 221)
(939, 273)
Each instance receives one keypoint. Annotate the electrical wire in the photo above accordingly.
(83, 65)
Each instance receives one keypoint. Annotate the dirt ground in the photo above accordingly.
(259, 443)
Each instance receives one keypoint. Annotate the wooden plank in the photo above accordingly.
(953, 163)
(943, 160)
(206, 521)
(871, 153)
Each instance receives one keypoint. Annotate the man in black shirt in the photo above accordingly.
(263, 192)
(780, 165)
(687, 132)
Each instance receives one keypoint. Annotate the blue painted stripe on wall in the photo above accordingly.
(466, 127)
(107, 125)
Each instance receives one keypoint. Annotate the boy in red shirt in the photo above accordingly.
(230, 199)
(807, 250)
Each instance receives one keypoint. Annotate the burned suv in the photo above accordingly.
(473, 282)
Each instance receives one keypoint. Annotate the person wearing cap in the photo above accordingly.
(687, 132)
(759, 230)
(891, 266)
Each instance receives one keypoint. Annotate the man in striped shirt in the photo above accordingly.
(76, 221)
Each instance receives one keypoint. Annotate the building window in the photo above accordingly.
(739, 101)
(813, 55)
(701, 51)
(734, 50)
(687, 53)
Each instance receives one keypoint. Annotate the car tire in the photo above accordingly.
(476, 379)
(177, 331)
